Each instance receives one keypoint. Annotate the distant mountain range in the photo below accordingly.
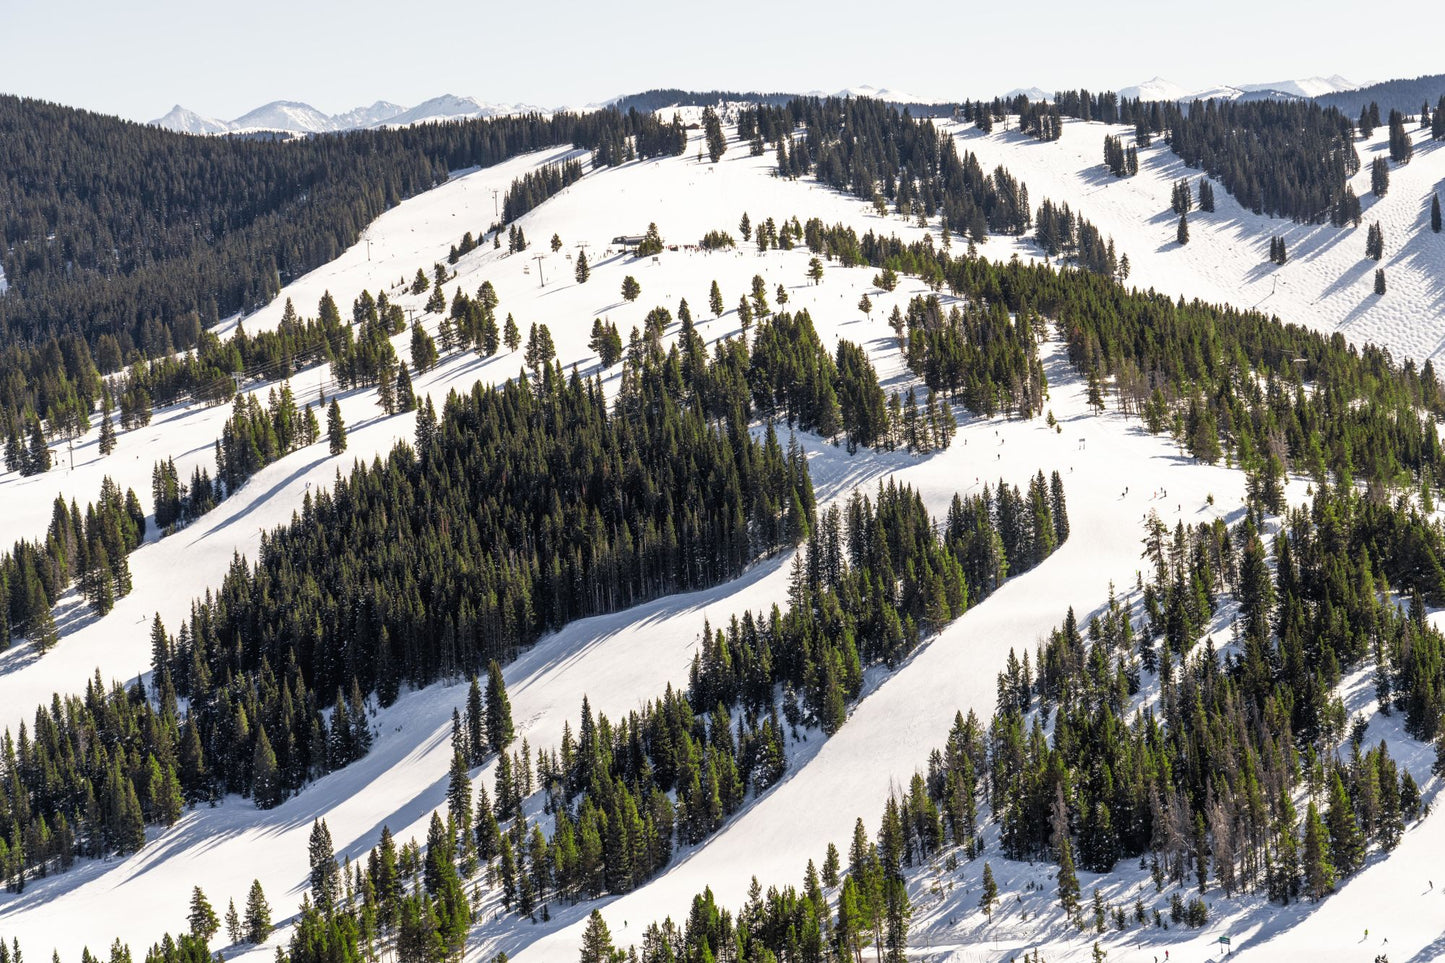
(1307, 88)
(293, 117)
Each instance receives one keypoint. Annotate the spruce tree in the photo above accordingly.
(258, 914)
(597, 942)
(335, 428)
(582, 272)
(1182, 235)
(1379, 280)
(499, 709)
(511, 336)
(815, 270)
(325, 873)
(107, 424)
(1318, 870)
(989, 894)
(265, 776)
(1068, 879)
(233, 923)
(716, 304)
(1435, 212)
(630, 288)
(202, 917)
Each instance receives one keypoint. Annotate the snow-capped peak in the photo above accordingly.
(185, 121)
(1156, 88)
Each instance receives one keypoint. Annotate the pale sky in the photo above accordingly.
(138, 58)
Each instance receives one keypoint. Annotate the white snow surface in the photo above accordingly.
(1112, 470)
(1327, 284)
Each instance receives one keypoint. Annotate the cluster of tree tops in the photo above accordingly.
(832, 917)
(534, 187)
(1120, 160)
(1063, 233)
(851, 606)
(124, 241)
(87, 548)
(1217, 378)
(1207, 784)
(611, 788)
(462, 548)
(871, 150)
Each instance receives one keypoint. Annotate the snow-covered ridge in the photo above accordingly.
(294, 117)
(1158, 88)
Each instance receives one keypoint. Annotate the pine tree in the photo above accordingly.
(233, 923)
(499, 709)
(556, 243)
(258, 914)
(582, 272)
(335, 428)
(37, 459)
(1319, 871)
(423, 348)
(1379, 280)
(1182, 235)
(1379, 177)
(989, 895)
(865, 305)
(597, 942)
(715, 299)
(1068, 879)
(1435, 210)
(511, 336)
(265, 776)
(202, 917)
(107, 424)
(630, 288)
(325, 874)
(717, 143)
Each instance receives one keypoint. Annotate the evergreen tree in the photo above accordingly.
(335, 428)
(1379, 280)
(423, 348)
(717, 143)
(582, 272)
(630, 288)
(499, 709)
(233, 923)
(715, 299)
(202, 917)
(258, 914)
(511, 336)
(1379, 177)
(1318, 870)
(1068, 879)
(1182, 235)
(815, 270)
(265, 775)
(325, 873)
(989, 892)
(1435, 210)
(107, 425)
(597, 942)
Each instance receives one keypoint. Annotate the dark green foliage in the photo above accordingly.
(1062, 233)
(1099, 776)
(717, 143)
(1120, 161)
(534, 187)
(1379, 177)
(1281, 158)
(976, 354)
(1379, 280)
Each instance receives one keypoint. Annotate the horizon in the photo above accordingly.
(168, 53)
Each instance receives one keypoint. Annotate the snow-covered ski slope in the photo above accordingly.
(1328, 283)
(621, 659)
